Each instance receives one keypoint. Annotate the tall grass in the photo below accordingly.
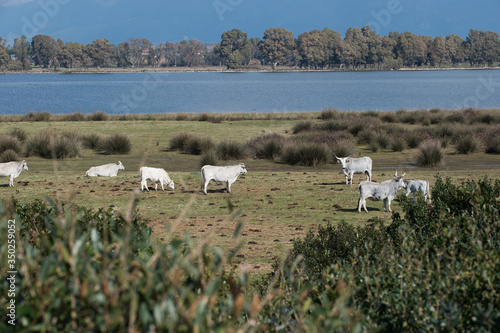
(8, 142)
(231, 150)
(306, 154)
(48, 145)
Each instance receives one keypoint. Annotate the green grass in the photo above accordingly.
(276, 202)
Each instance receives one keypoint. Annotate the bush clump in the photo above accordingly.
(76, 116)
(301, 126)
(9, 142)
(91, 141)
(231, 150)
(48, 145)
(267, 147)
(467, 144)
(38, 116)
(8, 155)
(116, 144)
(209, 157)
(19, 133)
(306, 154)
(98, 116)
(430, 153)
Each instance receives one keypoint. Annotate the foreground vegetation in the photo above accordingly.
(434, 267)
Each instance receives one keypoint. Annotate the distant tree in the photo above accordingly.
(438, 53)
(332, 42)
(171, 53)
(277, 45)
(412, 49)
(71, 53)
(139, 50)
(4, 56)
(455, 49)
(255, 51)
(44, 49)
(232, 48)
(191, 52)
(482, 47)
(100, 52)
(124, 54)
(312, 52)
(22, 50)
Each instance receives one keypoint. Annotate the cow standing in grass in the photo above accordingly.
(227, 174)
(352, 165)
(385, 191)
(413, 186)
(12, 170)
(106, 170)
(156, 175)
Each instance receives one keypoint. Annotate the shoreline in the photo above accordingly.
(222, 69)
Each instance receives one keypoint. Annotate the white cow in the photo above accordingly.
(106, 170)
(352, 165)
(413, 186)
(12, 170)
(385, 190)
(156, 175)
(227, 174)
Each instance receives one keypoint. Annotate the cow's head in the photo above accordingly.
(171, 185)
(243, 169)
(120, 166)
(342, 160)
(399, 179)
(24, 165)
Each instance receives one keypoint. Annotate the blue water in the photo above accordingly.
(122, 93)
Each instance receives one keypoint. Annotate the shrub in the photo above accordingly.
(196, 145)
(231, 150)
(76, 116)
(38, 116)
(209, 157)
(116, 144)
(203, 117)
(334, 125)
(267, 147)
(398, 145)
(493, 145)
(301, 126)
(8, 155)
(8, 142)
(19, 133)
(91, 141)
(414, 138)
(306, 154)
(343, 147)
(467, 144)
(40, 145)
(66, 147)
(430, 153)
(180, 140)
(382, 140)
(98, 116)
(329, 114)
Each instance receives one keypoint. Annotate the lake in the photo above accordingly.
(125, 93)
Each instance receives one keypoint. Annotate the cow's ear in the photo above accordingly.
(118, 163)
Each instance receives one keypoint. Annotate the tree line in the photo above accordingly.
(360, 48)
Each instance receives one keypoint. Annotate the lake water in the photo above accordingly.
(122, 93)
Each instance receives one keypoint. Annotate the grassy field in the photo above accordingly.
(275, 202)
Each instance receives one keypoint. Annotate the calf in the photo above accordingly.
(385, 191)
(413, 186)
(227, 174)
(156, 175)
(12, 170)
(106, 170)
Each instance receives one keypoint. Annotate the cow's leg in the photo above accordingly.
(359, 205)
(205, 185)
(228, 186)
(351, 178)
(346, 180)
(11, 181)
(161, 183)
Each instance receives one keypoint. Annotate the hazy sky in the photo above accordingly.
(205, 20)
